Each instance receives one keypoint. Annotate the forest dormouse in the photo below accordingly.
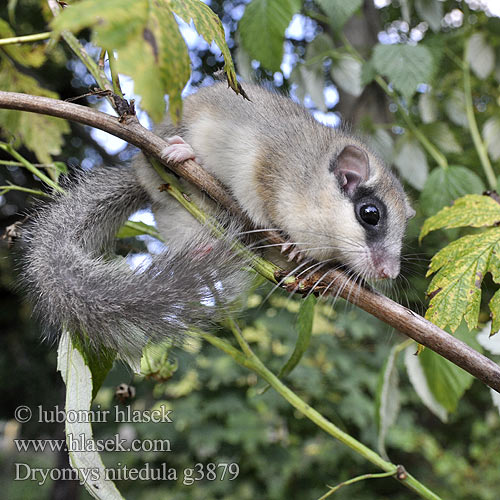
(322, 187)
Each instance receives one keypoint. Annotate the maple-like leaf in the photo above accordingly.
(460, 267)
(149, 46)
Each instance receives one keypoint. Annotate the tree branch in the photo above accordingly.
(395, 315)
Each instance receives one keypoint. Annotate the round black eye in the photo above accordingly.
(369, 214)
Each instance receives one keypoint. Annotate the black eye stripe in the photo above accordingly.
(375, 228)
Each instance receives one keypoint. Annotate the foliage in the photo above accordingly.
(41, 134)
(461, 266)
(405, 65)
(262, 30)
(305, 319)
(149, 44)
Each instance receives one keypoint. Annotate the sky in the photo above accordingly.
(493, 6)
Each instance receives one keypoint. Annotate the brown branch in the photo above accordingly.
(395, 315)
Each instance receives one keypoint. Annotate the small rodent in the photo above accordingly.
(331, 196)
(323, 187)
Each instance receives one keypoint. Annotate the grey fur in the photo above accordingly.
(276, 159)
(73, 283)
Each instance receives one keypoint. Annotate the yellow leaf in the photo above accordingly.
(455, 290)
(473, 210)
(27, 54)
(148, 43)
(495, 312)
(41, 134)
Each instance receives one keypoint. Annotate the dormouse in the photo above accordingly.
(331, 196)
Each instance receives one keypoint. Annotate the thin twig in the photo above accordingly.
(473, 128)
(73, 43)
(249, 359)
(25, 39)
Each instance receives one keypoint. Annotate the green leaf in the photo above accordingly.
(446, 380)
(491, 135)
(209, 26)
(58, 168)
(311, 81)
(339, 11)
(262, 29)
(460, 267)
(411, 162)
(427, 107)
(495, 312)
(488, 340)
(244, 63)
(495, 397)
(320, 48)
(430, 11)
(61, 167)
(11, 9)
(131, 229)
(148, 42)
(496, 72)
(382, 143)
(387, 402)
(99, 364)
(406, 66)
(156, 363)
(443, 137)
(480, 55)
(41, 134)
(455, 108)
(472, 210)
(304, 328)
(368, 73)
(27, 54)
(310, 76)
(78, 377)
(420, 383)
(346, 73)
(443, 186)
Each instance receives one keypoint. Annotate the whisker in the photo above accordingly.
(325, 291)
(270, 245)
(318, 281)
(330, 236)
(291, 273)
(318, 267)
(250, 231)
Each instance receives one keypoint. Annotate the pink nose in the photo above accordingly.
(383, 274)
(385, 265)
(386, 271)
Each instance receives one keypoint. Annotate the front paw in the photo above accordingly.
(177, 151)
(292, 252)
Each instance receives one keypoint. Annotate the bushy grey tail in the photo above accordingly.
(73, 283)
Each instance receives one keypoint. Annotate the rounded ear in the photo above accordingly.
(410, 211)
(351, 168)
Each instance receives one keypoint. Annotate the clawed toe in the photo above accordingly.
(177, 151)
(176, 139)
(294, 253)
